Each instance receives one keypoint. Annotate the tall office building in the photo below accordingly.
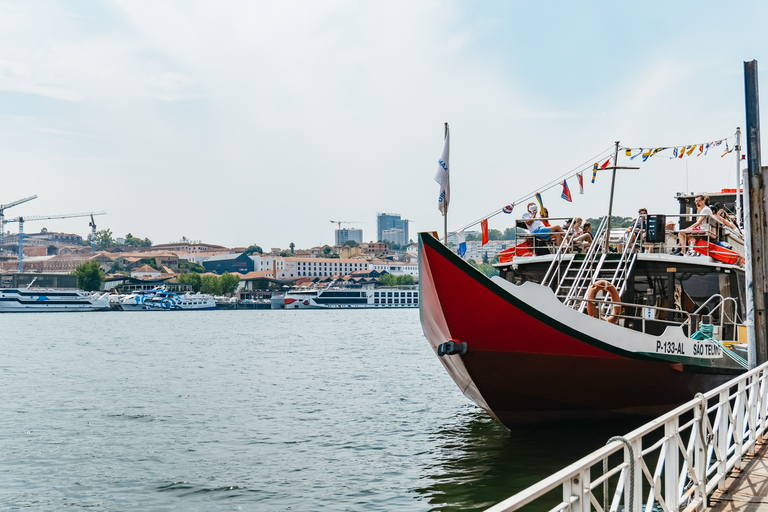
(395, 235)
(342, 235)
(386, 221)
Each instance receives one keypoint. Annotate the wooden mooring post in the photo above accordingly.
(757, 202)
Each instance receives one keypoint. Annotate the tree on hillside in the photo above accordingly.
(210, 284)
(104, 239)
(136, 241)
(253, 249)
(488, 269)
(191, 266)
(192, 278)
(148, 261)
(387, 279)
(228, 283)
(292, 245)
(89, 276)
(351, 243)
(390, 280)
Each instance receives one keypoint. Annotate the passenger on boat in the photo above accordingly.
(538, 228)
(722, 217)
(544, 217)
(583, 240)
(699, 228)
(637, 228)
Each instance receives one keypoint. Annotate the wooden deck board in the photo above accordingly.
(746, 490)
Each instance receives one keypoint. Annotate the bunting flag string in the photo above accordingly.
(677, 152)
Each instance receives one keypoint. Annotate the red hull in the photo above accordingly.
(525, 367)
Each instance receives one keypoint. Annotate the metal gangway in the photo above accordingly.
(671, 464)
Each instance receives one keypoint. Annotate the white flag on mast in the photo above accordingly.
(443, 175)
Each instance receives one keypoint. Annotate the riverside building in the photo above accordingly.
(324, 267)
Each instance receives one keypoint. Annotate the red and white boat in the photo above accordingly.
(523, 346)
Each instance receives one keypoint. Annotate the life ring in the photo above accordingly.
(592, 308)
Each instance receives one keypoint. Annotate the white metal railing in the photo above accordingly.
(670, 464)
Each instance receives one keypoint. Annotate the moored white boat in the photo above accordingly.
(160, 299)
(36, 300)
(348, 298)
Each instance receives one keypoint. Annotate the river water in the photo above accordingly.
(252, 410)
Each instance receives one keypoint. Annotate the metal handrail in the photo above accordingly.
(589, 259)
(565, 243)
(609, 303)
(690, 461)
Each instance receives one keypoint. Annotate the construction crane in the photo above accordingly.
(2, 214)
(92, 225)
(21, 221)
(340, 222)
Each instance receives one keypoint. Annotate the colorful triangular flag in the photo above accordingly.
(566, 194)
(541, 204)
(580, 177)
(462, 238)
(484, 228)
(594, 172)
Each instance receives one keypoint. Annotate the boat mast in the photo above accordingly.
(610, 204)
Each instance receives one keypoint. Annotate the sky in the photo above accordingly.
(249, 122)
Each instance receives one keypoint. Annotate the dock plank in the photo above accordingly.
(746, 489)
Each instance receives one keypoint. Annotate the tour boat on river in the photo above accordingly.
(542, 341)
(348, 298)
(36, 300)
(160, 299)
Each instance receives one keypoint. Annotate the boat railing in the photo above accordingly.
(617, 242)
(671, 463)
(724, 318)
(585, 273)
(604, 304)
(562, 250)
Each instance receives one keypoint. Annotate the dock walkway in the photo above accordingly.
(746, 489)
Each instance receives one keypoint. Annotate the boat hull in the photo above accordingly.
(531, 362)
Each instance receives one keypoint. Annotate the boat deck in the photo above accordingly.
(745, 489)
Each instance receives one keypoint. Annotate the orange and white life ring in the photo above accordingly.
(592, 307)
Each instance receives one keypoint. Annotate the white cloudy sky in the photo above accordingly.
(242, 122)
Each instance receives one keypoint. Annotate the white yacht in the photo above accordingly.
(35, 300)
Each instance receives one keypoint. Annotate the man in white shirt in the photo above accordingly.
(700, 227)
(538, 228)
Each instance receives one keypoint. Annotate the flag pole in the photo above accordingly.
(445, 214)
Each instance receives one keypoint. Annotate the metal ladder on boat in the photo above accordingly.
(614, 268)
